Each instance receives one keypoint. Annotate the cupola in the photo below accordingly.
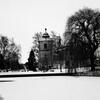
(45, 35)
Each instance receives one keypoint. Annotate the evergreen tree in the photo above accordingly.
(32, 61)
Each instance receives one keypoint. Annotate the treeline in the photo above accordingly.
(81, 41)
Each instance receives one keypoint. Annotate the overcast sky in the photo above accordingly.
(20, 19)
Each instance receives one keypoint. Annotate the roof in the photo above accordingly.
(45, 35)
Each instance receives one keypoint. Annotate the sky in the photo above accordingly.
(21, 19)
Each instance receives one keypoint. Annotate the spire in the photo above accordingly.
(45, 30)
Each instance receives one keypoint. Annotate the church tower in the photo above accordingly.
(45, 51)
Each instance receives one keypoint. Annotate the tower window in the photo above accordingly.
(45, 46)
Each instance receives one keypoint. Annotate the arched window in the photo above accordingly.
(45, 46)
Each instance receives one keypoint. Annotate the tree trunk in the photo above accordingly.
(92, 59)
(60, 68)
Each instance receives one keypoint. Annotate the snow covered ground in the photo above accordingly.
(31, 72)
(50, 88)
(39, 72)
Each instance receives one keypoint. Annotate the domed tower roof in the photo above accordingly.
(45, 35)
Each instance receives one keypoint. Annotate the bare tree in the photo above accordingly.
(86, 23)
(37, 36)
(9, 51)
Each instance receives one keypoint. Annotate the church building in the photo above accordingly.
(45, 51)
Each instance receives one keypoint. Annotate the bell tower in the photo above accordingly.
(45, 51)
